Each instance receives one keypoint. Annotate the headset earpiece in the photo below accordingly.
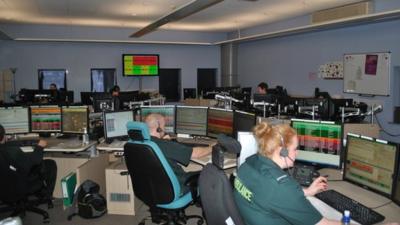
(284, 152)
(159, 130)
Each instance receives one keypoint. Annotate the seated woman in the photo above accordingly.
(264, 193)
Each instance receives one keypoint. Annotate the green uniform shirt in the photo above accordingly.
(176, 154)
(266, 195)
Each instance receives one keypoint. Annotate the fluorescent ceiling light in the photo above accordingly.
(180, 13)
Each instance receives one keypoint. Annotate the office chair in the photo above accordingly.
(15, 191)
(216, 196)
(153, 179)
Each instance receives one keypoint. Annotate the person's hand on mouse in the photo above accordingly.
(318, 185)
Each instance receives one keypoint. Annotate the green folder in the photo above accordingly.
(68, 184)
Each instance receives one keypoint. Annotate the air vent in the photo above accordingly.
(358, 9)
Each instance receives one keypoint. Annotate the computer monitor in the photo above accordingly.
(219, 121)
(15, 120)
(101, 104)
(396, 193)
(264, 98)
(45, 119)
(115, 124)
(249, 146)
(75, 119)
(191, 120)
(243, 121)
(168, 111)
(371, 163)
(320, 142)
(86, 98)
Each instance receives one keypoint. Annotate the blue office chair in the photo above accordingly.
(153, 179)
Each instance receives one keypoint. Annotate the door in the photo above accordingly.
(170, 84)
(206, 79)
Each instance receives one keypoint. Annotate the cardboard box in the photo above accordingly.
(120, 197)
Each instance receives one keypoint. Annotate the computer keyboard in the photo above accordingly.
(27, 142)
(358, 212)
(194, 144)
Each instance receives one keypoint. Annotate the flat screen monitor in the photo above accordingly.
(219, 121)
(168, 111)
(140, 65)
(115, 124)
(102, 104)
(320, 142)
(396, 193)
(371, 163)
(264, 98)
(191, 120)
(75, 119)
(243, 121)
(52, 76)
(45, 119)
(87, 98)
(249, 146)
(15, 120)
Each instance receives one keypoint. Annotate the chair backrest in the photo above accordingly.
(217, 198)
(14, 186)
(153, 179)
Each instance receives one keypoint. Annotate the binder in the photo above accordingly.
(68, 184)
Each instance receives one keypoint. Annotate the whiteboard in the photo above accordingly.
(367, 73)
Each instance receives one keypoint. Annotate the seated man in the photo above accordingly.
(31, 164)
(174, 152)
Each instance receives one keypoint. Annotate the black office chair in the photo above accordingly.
(16, 192)
(216, 191)
(153, 179)
(217, 198)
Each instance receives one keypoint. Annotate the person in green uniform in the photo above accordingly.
(176, 154)
(264, 193)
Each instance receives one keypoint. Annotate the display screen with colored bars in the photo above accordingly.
(371, 163)
(320, 142)
(46, 119)
(140, 65)
(219, 121)
(191, 120)
(15, 120)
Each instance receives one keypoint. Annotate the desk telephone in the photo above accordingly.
(304, 174)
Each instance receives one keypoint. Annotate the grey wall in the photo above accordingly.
(79, 58)
(293, 61)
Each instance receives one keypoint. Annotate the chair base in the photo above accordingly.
(20, 209)
(171, 217)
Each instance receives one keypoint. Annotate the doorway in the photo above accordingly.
(169, 83)
(206, 79)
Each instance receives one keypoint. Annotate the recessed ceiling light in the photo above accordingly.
(133, 14)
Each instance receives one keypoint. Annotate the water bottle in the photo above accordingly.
(346, 217)
(85, 137)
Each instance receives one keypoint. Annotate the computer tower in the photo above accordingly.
(396, 114)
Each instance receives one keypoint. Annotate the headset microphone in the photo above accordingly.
(285, 153)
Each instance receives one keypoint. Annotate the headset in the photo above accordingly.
(284, 151)
(159, 129)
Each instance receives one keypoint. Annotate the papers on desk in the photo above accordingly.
(229, 161)
(26, 149)
(327, 211)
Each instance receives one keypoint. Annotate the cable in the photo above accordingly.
(384, 131)
(387, 203)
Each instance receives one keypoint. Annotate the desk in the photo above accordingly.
(66, 145)
(365, 197)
